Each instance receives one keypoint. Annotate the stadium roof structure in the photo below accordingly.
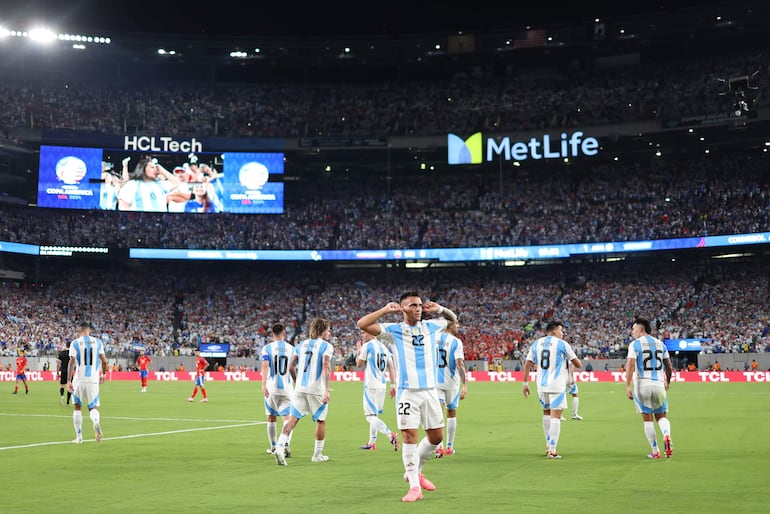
(692, 29)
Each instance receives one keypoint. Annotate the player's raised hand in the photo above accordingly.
(430, 306)
(393, 307)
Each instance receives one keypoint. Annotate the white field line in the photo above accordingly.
(133, 436)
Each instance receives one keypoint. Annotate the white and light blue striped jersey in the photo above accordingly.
(108, 197)
(86, 350)
(278, 354)
(146, 195)
(376, 356)
(551, 355)
(414, 351)
(310, 353)
(450, 349)
(649, 353)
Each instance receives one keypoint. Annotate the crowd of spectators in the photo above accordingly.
(464, 103)
(170, 310)
(709, 195)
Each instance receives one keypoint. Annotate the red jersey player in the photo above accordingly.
(21, 372)
(200, 376)
(142, 362)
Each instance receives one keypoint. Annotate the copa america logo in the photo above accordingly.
(70, 169)
(253, 175)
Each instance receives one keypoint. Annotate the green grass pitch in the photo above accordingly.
(164, 454)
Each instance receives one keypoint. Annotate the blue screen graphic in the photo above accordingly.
(96, 178)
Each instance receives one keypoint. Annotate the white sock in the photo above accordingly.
(288, 437)
(376, 425)
(319, 447)
(282, 440)
(451, 430)
(575, 403)
(77, 421)
(425, 452)
(547, 429)
(665, 426)
(271, 433)
(554, 432)
(649, 431)
(409, 457)
(94, 415)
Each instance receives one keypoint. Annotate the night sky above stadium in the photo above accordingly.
(227, 17)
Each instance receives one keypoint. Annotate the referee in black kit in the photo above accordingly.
(62, 367)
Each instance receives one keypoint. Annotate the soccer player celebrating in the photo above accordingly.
(413, 342)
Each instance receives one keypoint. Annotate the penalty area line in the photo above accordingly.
(130, 436)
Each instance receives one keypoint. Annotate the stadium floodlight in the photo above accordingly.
(4, 32)
(42, 35)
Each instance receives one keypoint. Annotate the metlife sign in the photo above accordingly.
(476, 150)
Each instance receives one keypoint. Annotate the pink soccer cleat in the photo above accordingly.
(413, 495)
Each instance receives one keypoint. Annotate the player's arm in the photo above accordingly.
(71, 371)
(463, 379)
(669, 371)
(105, 366)
(370, 323)
(293, 367)
(442, 311)
(392, 377)
(265, 374)
(575, 362)
(525, 378)
(360, 357)
(630, 366)
(326, 374)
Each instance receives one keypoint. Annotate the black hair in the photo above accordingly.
(644, 323)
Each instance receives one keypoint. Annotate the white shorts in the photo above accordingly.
(553, 400)
(650, 397)
(85, 393)
(449, 395)
(303, 404)
(419, 407)
(374, 400)
(278, 404)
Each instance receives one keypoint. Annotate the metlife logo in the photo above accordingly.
(471, 150)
